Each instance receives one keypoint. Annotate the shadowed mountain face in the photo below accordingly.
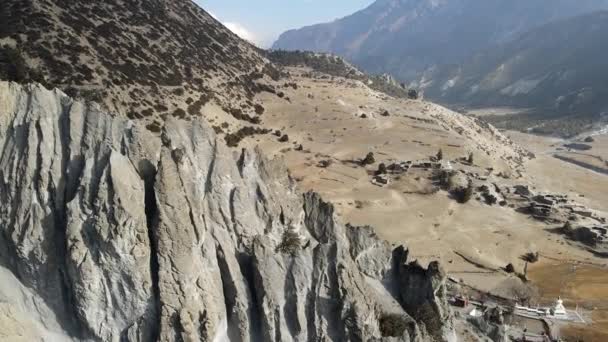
(559, 69)
(142, 58)
(405, 37)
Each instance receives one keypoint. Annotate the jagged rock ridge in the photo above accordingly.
(110, 233)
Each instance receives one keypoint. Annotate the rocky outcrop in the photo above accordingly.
(595, 237)
(111, 233)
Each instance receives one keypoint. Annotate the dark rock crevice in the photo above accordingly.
(246, 265)
(291, 300)
(59, 198)
(148, 173)
(230, 294)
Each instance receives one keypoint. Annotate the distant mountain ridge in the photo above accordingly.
(559, 70)
(406, 37)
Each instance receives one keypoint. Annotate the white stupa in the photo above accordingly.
(559, 310)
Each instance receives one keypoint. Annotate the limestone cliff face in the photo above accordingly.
(109, 233)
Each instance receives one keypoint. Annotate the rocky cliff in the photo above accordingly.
(110, 233)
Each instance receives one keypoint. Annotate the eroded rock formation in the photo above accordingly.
(111, 233)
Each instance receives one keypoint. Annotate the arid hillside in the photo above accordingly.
(146, 59)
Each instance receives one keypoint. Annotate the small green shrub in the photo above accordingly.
(463, 195)
(290, 243)
(179, 113)
(412, 94)
(369, 159)
(154, 127)
(12, 64)
(531, 257)
(259, 109)
(392, 325)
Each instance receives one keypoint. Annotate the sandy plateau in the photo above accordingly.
(339, 121)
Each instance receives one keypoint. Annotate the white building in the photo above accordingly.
(558, 310)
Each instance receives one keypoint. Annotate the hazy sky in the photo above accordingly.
(263, 20)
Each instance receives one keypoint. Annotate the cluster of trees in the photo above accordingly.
(447, 180)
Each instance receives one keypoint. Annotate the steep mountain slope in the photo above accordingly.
(141, 58)
(558, 69)
(103, 238)
(405, 37)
